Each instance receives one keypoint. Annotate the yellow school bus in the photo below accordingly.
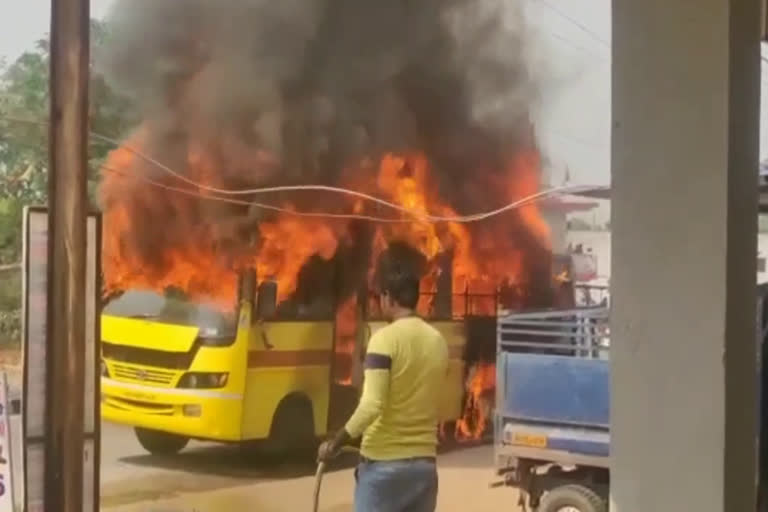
(177, 370)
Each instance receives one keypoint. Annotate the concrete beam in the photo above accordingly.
(686, 80)
(67, 203)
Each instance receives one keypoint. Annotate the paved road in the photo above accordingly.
(129, 474)
(216, 478)
(212, 478)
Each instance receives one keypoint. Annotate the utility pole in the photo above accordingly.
(67, 208)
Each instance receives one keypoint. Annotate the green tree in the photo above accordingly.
(24, 153)
(23, 147)
(24, 94)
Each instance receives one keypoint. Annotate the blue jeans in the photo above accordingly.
(407, 485)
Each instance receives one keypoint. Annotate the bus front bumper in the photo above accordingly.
(196, 413)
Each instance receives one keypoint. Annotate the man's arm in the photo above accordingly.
(375, 393)
(378, 364)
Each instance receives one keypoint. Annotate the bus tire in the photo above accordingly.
(572, 498)
(293, 429)
(160, 443)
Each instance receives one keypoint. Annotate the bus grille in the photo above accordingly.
(142, 407)
(149, 357)
(149, 376)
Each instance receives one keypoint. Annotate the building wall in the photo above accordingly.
(558, 226)
(600, 244)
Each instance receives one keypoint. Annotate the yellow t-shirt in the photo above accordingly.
(405, 368)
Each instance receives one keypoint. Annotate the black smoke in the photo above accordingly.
(319, 82)
(295, 91)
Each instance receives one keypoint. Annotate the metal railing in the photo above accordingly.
(463, 304)
(581, 332)
(588, 295)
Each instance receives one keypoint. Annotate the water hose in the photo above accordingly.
(319, 477)
(318, 483)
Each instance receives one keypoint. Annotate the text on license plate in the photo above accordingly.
(532, 440)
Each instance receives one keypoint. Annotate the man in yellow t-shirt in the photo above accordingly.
(405, 368)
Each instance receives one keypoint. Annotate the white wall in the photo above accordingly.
(558, 225)
(600, 243)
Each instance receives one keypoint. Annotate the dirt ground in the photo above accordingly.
(464, 479)
(211, 478)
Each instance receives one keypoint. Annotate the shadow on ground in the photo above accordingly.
(217, 467)
(234, 461)
(208, 468)
(463, 454)
(237, 462)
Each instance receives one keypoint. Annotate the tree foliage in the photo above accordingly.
(24, 95)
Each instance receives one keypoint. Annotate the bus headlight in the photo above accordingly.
(192, 410)
(203, 380)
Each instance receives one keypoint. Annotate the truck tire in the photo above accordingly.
(572, 498)
(160, 443)
(293, 429)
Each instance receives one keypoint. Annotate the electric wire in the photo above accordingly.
(565, 189)
(193, 193)
(242, 202)
(574, 46)
(575, 22)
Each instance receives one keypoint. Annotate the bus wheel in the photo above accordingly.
(572, 498)
(160, 443)
(293, 429)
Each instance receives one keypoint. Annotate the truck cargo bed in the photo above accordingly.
(553, 387)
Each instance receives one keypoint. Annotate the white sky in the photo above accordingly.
(572, 115)
(570, 55)
(22, 22)
(571, 62)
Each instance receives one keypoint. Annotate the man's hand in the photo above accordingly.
(327, 451)
(332, 447)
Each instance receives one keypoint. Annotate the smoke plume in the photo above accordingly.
(260, 92)
(319, 80)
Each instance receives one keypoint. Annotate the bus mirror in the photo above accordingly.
(266, 300)
(247, 287)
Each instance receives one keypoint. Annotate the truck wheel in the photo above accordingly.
(572, 498)
(293, 429)
(160, 443)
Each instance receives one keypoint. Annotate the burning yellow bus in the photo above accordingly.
(195, 347)
(276, 140)
(177, 369)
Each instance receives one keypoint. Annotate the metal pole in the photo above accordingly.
(65, 356)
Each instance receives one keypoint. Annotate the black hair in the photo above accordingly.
(401, 285)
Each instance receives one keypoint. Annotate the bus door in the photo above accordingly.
(289, 363)
(351, 334)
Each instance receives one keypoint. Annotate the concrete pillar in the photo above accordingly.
(686, 80)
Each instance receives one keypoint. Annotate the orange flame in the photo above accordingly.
(479, 404)
(202, 262)
(346, 330)
(206, 253)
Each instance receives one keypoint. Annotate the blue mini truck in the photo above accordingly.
(551, 426)
(552, 416)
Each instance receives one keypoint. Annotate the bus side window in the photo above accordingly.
(266, 300)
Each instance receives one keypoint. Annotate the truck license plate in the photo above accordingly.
(532, 440)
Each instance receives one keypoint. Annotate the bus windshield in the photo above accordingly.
(172, 308)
